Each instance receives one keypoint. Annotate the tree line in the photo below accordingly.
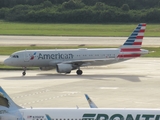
(80, 11)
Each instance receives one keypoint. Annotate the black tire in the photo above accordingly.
(79, 72)
(23, 73)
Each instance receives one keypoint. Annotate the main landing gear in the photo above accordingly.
(79, 72)
(24, 71)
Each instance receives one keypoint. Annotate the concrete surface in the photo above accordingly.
(131, 84)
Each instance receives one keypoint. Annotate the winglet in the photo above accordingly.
(90, 102)
(6, 101)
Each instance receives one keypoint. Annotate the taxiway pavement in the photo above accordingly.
(130, 84)
(70, 41)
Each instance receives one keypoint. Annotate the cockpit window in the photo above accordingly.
(14, 56)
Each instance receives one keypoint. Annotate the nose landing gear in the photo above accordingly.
(24, 71)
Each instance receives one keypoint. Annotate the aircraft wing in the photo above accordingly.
(86, 62)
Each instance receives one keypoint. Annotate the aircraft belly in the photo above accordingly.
(97, 63)
(36, 63)
(41, 64)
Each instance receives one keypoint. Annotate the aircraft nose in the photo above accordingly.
(7, 62)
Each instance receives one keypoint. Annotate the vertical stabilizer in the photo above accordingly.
(6, 101)
(132, 46)
(91, 103)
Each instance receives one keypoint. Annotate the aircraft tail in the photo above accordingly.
(6, 101)
(91, 103)
(132, 46)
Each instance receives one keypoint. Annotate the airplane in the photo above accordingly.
(66, 60)
(11, 111)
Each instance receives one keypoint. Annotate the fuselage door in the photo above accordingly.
(26, 56)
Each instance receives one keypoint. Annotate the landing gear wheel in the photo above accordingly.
(23, 73)
(79, 72)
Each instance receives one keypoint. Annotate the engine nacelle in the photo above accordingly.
(64, 68)
(46, 68)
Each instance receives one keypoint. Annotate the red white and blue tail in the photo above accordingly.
(132, 47)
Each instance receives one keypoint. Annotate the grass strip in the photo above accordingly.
(5, 67)
(50, 29)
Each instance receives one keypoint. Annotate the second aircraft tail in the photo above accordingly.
(6, 101)
(91, 103)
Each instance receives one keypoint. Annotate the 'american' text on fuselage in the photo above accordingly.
(55, 56)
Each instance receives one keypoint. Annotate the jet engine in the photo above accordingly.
(46, 68)
(64, 68)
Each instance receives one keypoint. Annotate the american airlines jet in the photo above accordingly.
(11, 111)
(66, 60)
